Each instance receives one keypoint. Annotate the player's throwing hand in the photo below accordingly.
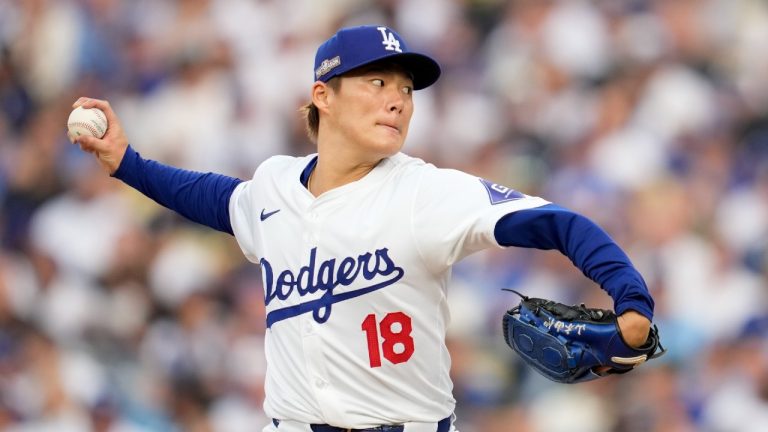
(110, 149)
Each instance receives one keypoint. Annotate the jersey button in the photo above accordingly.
(319, 383)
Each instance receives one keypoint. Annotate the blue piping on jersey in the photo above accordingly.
(304, 178)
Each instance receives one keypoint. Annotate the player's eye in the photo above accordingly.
(378, 82)
(408, 90)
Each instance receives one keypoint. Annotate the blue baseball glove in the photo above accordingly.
(571, 344)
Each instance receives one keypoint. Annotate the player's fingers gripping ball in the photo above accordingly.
(571, 344)
(87, 122)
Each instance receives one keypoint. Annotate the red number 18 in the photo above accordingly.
(396, 330)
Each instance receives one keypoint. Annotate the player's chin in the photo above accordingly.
(389, 143)
(388, 148)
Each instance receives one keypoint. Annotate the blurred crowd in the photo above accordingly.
(648, 116)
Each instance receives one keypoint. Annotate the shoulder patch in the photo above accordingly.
(499, 194)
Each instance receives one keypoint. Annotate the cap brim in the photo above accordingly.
(424, 70)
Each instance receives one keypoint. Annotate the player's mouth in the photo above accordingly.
(390, 127)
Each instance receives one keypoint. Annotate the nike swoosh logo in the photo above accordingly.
(264, 216)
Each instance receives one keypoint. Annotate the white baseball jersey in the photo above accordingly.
(355, 285)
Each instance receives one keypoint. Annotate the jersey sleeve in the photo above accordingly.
(455, 213)
(241, 205)
(246, 203)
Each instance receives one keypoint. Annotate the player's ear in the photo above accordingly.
(320, 95)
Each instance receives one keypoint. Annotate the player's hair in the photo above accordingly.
(312, 115)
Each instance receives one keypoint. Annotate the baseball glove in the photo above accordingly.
(571, 344)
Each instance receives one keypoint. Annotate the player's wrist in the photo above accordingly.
(126, 164)
(634, 328)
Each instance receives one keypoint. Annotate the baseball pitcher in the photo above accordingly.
(356, 245)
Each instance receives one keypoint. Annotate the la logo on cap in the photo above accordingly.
(390, 42)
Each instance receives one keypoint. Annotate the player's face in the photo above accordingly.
(373, 108)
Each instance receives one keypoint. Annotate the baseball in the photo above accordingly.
(87, 121)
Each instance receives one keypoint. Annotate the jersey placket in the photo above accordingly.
(314, 355)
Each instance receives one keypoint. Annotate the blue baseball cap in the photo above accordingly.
(353, 47)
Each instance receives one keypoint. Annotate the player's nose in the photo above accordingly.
(395, 100)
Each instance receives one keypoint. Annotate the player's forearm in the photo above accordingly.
(588, 247)
(200, 197)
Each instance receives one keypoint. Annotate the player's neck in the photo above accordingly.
(336, 170)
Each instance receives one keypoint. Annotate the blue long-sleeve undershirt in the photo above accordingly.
(200, 197)
(588, 247)
(204, 198)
